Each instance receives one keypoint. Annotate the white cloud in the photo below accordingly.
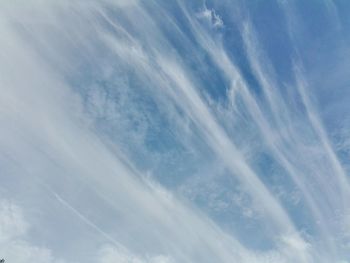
(47, 138)
(212, 17)
(14, 246)
(12, 224)
(108, 254)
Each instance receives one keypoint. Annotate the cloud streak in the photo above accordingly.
(113, 111)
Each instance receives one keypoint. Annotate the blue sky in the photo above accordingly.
(174, 131)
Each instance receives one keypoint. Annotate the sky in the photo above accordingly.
(177, 131)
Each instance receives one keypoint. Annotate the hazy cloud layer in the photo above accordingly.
(174, 131)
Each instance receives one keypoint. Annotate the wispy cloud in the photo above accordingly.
(114, 113)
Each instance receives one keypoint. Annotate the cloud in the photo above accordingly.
(12, 222)
(55, 148)
(108, 109)
(108, 254)
(14, 246)
(212, 17)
